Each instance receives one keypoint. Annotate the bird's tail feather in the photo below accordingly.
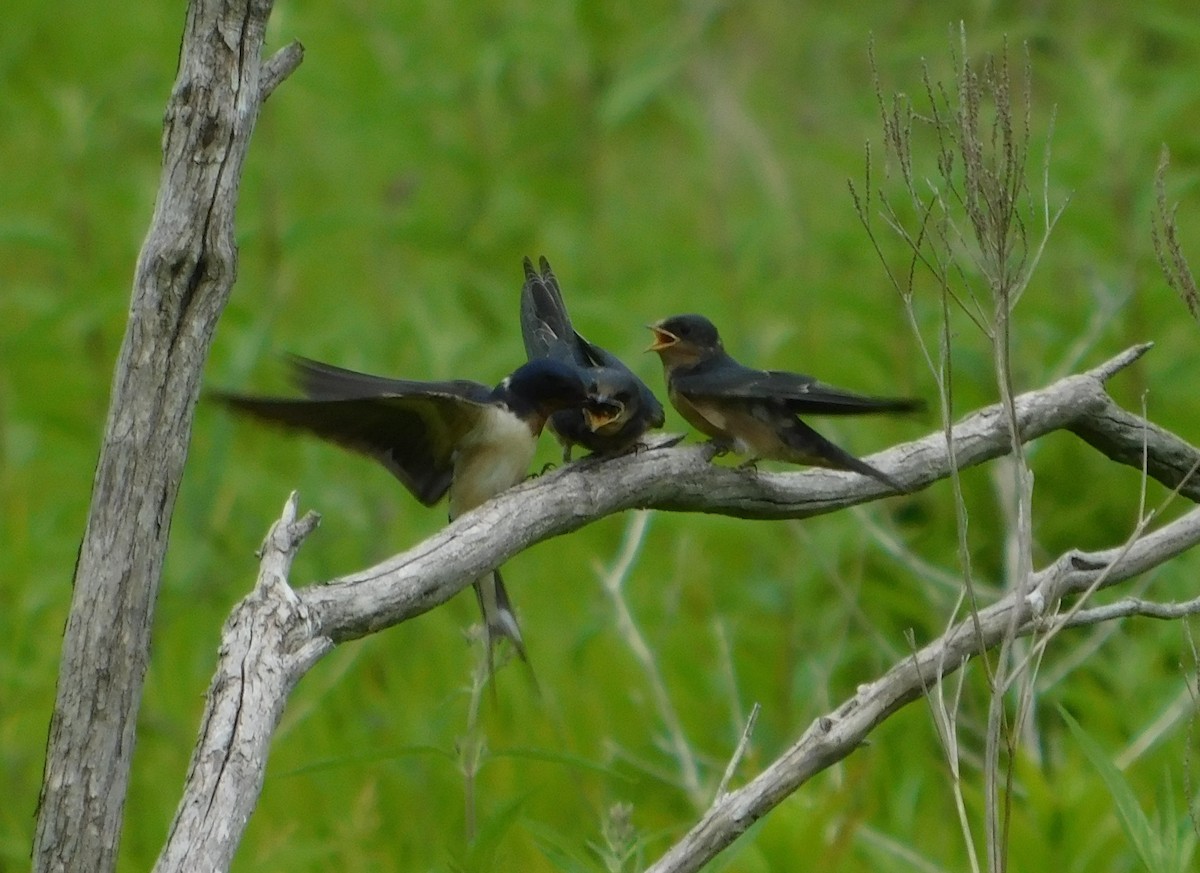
(834, 401)
(812, 448)
(499, 620)
(546, 326)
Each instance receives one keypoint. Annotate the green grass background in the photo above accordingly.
(666, 157)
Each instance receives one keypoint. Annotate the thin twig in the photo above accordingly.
(1129, 607)
(945, 724)
(279, 66)
(739, 752)
(1183, 704)
(835, 735)
(613, 582)
(729, 671)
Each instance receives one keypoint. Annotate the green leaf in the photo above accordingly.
(552, 756)
(481, 855)
(1137, 826)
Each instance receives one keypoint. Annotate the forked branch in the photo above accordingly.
(277, 634)
(832, 737)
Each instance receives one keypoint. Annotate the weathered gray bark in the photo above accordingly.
(184, 275)
(832, 737)
(183, 279)
(267, 645)
(683, 480)
(276, 634)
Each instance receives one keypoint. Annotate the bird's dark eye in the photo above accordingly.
(621, 397)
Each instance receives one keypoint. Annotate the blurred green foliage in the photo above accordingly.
(666, 157)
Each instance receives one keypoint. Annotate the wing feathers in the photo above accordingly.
(413, 436)
(800, 394)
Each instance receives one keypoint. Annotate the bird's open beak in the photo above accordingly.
(601, 411)
(663, 339)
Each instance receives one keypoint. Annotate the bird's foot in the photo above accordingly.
(717, 448)
(749, 464)
(549, 465)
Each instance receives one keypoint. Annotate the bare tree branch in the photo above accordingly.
(1132, 440)
(267, 644)
(834, 736)
(298, 627)
(184, 274)
(1129, 607)
(280, 65)
(183, 278)
(679, 480)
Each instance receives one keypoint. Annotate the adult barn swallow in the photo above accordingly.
(457, 436)
(754, 412)
(624, 408)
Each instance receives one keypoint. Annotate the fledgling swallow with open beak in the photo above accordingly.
(623, 407)
(458, 436)
(754, 412)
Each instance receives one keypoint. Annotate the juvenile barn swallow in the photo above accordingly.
(457, 436)
(754, 412)
(625, 407)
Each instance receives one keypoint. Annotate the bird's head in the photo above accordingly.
(543, 386)
(685, 339)
(612, 399)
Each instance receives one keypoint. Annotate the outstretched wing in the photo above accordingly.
(318, 381)
(412, 428)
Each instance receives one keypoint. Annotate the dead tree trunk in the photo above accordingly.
(184, 275)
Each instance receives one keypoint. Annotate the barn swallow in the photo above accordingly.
(458, 436)
(632, 407)
(754, 412)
